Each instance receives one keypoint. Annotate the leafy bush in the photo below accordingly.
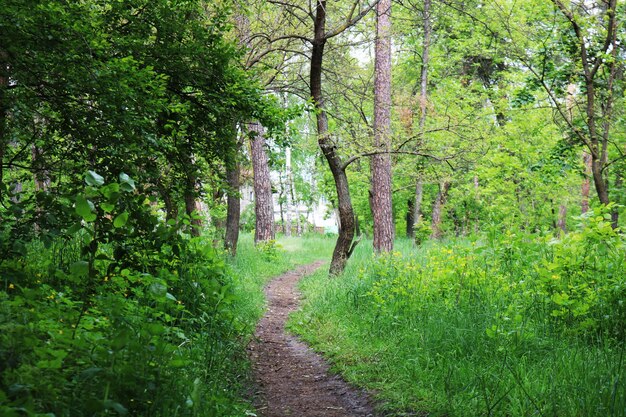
(270, 250)
(120, 314)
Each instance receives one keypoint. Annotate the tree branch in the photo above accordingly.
(350, 20)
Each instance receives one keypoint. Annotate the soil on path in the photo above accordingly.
(292, 379)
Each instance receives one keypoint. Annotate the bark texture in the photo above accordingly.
(419, 196)
(263, 202)
(343, 246)
(586, 185)
(440, 202)
(381, 163)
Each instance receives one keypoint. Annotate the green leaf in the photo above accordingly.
(74, 228)
(158, 289)
(121, 220)
(110, 191)
(112, 405)
(179, 363)
(126, 183)
(80, 268)
(107, 207)
(155, 329)
(85, 208)
(93, 179)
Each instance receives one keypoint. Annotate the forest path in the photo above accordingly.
(292, 379)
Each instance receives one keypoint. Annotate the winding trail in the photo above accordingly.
(292, 379)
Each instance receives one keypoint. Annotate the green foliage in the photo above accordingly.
(110, 319)
(270, 249)
(422, 230)
(502, 324)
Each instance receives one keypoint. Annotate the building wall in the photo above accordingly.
(321, 214)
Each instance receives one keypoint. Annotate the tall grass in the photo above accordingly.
(499, 325)
(253, 267)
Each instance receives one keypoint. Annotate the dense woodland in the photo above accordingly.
(472, 151)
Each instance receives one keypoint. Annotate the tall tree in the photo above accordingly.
(344, 246)
(263, 201)
(588, 47)
(416, 206)
(381, 162)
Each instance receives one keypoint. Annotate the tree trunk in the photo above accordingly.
(233, 203)
(171, 208)
(281, 207)
(4, 84)
(425, 62)
(586, 185)
(419, 185)
(619, 182)
(288, 188)
(381, 163)
(410, 219)
(419, 196)
(598, 116)
(440, 202)
(343, 247)
(263, 203)
(191, 204)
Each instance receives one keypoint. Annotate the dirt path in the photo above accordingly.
(292, 379)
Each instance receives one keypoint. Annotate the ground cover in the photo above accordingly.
(501, 324)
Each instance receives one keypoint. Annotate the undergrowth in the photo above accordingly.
(122, 313)
(502, 324)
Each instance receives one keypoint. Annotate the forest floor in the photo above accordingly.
(292, 379)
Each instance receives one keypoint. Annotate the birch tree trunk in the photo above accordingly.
(381, 163)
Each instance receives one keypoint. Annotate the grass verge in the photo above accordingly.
(507, 326)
